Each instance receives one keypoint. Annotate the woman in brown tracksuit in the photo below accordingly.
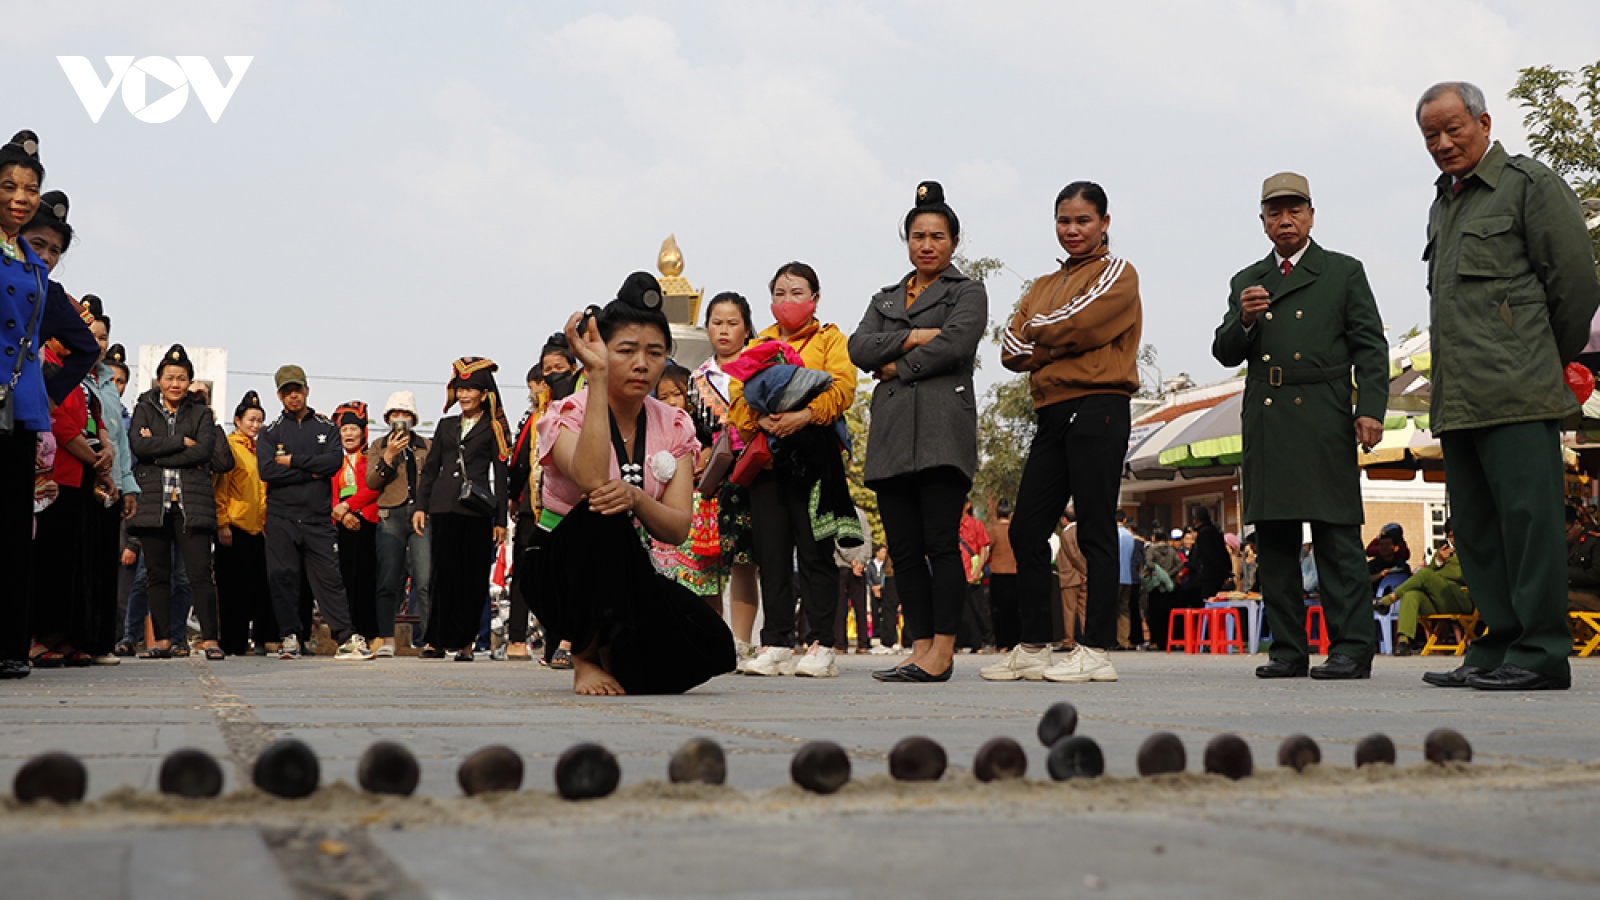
(1076, 334)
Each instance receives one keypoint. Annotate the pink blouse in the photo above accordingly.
(668, 430)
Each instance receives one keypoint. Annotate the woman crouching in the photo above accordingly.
(623, 460)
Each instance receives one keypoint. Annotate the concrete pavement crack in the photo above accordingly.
(242, 730)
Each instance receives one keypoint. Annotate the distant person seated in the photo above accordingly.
(1437, 589)
(1396, 534)
(1385, 560)
(617, 459)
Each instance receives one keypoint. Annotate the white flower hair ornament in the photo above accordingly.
(663, 465)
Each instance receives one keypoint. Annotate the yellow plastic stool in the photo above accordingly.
(1433, 625)
(1592, 620)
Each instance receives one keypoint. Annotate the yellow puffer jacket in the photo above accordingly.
(241, 494)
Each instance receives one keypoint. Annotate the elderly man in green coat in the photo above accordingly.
(1303, 318)
(1512, 284)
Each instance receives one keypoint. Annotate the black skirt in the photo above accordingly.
(596, 579)
(463, 553)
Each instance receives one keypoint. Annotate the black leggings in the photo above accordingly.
(921, 514)
(1076, 455)
(780, 524)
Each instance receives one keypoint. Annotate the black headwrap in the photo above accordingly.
(22, 150)
(477, 372)
(251, 401)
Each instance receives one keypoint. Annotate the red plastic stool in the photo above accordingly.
(1216, 629)
(1190, 642)
(1316, 629)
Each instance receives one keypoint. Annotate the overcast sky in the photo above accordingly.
(394, 185)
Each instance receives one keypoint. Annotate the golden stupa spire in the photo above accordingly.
(670, 259)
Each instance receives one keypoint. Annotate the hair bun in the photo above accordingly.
(26, 141)
(929, 193)
(641, 291)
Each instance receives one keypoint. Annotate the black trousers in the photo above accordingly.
(921, 514)
(781, 533)
(463, 553)
(194, 547)
(886, 614)
(521, 580)
(102, 622)
(243, 598)
(977, 625)
(17, 453)
(852, 595)
(1076, 455)
(60, 592)
(1162, 603)
(1003, 605)
(358, 566)
(309, 547)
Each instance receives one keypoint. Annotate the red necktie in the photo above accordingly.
(1456, 188)
(1287, 266)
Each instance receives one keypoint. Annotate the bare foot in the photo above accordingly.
(591, 680)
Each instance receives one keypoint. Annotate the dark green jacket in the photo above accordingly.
(1512, 279)
(1299, 419)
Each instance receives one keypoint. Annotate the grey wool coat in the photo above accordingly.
(926, 416)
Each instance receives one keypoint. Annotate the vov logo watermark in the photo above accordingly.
(135, 77)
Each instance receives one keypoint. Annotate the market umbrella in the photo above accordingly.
(1407, 447)
(1144, 461)
(1213, 440)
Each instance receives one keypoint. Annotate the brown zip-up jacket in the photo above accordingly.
(1077, 331)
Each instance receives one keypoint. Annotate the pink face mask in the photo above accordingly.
(794, 316)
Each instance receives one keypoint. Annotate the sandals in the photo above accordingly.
(561, 659)
(215, 654)
(156, 653)
(124, 647)
(464, 655)
(42, 657)
(180, 650)
(78, 660)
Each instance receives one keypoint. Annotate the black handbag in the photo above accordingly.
(474, 498)
(8, 389)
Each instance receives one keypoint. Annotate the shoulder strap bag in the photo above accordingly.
(8, 389)
(474, 497)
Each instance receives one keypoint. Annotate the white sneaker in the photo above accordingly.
(289, 647)
(386, 651)
(817, 663)
(771, 661)
(1020, 664)
(355, 648)
(1082, 664)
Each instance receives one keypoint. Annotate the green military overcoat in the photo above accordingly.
(1512, 281)
(1298, 414)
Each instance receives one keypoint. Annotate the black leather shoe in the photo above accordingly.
(1282, 668)
(890, 674)
(14, 668)
(1455, 678)
(1341, 668)
(1516, 678)
(912, 672)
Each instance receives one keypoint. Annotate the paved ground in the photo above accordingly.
(1518, 822)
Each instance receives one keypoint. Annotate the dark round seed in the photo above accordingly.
(1162, 753)
(587, 772)
(51, 776)
(190, 773)
(492, 769)
(821, 767)
(388, 768)
(999, 759)
(1298, 751)
(1076, 756)
(917, 759)
(1374, 748)
(288, 769)
(1446, 745)
(1229, 756)
(700, 760)
(1059, 721)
